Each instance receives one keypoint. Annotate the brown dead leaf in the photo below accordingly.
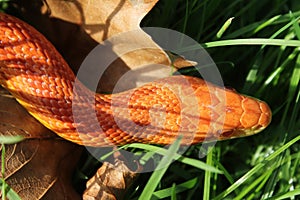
(41, 166)
(76, 27)
(104, 19)
(15, 120)
(110, 182)
(180, 62)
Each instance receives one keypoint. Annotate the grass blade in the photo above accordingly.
(251, 172)
(189, 161)
(164, 193)
(162, 168)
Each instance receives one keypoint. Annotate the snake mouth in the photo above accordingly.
(240, 132)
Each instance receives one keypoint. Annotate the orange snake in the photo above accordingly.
(39, 78)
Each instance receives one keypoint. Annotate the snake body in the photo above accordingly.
(158, 112)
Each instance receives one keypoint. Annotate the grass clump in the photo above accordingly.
(256, 48)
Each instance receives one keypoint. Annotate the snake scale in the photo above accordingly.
(39, 78)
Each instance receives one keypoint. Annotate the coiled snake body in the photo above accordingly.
(39, 78)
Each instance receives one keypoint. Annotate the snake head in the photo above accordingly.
(256, 116)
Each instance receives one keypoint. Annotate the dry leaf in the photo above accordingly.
(102, 19)
(110, 182)
(76, 27)
(41, 166)
(105, 19)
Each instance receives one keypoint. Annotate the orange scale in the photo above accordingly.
(64, 112)
(249, 121)
(64, 104)
(232, 120)
(251, 116)
(233, 99)
(45, 94)
(67, 118)
(52, 86)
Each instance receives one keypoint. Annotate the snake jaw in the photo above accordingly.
(243, 132)
(237, 133)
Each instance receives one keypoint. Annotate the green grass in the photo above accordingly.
(257, 52)
(162, 168)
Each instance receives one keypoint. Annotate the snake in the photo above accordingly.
(39, 78)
